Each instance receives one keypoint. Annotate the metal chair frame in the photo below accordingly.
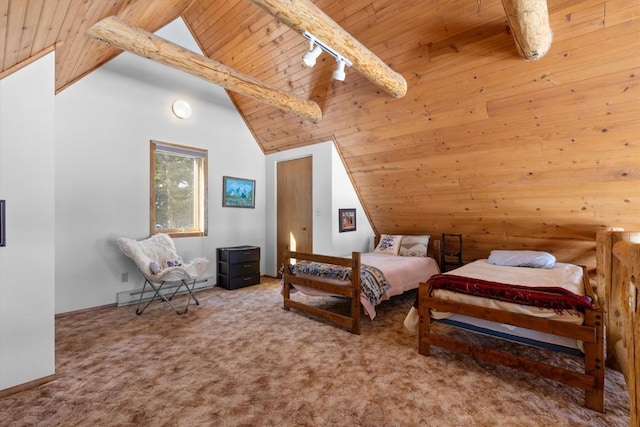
(158, 294)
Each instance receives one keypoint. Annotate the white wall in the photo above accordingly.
(74, 169)
(343, 195)
(331, 191)
(27, 263)
(104, 123)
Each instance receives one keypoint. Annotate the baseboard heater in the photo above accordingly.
(133, 296)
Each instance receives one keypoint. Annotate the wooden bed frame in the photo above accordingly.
(350, 322)
(618, 277)
(591, 332)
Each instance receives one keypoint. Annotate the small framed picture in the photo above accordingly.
(347, 220)
(238, 192)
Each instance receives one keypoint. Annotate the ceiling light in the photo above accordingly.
(181, 109)
(339, 73)
(310, 57)
(315, 49)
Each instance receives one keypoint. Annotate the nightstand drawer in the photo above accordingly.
(237, 282)
(239, 254)
(241, 269)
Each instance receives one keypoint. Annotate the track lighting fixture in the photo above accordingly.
(315, 49)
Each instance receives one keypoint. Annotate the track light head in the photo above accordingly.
(310, 57)
(339, 73)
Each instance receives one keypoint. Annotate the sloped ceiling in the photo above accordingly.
(507, 152)
(252, 40)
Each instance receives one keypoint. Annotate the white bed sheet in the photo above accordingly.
(403, 273)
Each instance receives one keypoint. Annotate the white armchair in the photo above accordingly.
(162, 267)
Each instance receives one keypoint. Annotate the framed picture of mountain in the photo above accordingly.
(238, 192)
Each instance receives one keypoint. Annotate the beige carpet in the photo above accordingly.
(240, 360)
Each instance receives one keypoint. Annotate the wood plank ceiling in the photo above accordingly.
(510, 153)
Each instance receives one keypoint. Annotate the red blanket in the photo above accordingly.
(554, 298)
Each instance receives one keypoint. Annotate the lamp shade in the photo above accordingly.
(181, 109)
(311, 56)
(339, 73)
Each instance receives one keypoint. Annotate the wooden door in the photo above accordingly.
(295, 207)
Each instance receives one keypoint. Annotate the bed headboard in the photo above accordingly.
(433, 250)
(618, 280)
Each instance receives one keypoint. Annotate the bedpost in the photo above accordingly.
(594, 360)
(355, 300)
(594, 351)
(424, 323)
(286, 286)
(611, 295)
(434, 250)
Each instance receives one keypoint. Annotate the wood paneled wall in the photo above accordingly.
(512, 154)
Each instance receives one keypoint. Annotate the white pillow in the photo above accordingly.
(533, 259)
(414, 246)
(389, 244)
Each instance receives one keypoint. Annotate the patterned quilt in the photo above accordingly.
(373, 284)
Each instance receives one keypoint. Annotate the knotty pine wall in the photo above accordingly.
(512, 154)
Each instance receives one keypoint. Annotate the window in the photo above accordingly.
(178, 190)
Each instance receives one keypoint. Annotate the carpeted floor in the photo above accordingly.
(240, 360)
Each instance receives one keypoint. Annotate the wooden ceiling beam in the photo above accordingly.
(121, 34)
(529, 22)
(303, 15)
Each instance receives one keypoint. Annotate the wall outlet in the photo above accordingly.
(124, 277)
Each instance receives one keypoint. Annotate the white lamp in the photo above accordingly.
(339, 73)
(181, 109)
(310, 57)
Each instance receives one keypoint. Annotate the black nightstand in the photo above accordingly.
(238, 266)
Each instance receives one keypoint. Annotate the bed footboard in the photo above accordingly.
(352, 292)
(591, 332)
